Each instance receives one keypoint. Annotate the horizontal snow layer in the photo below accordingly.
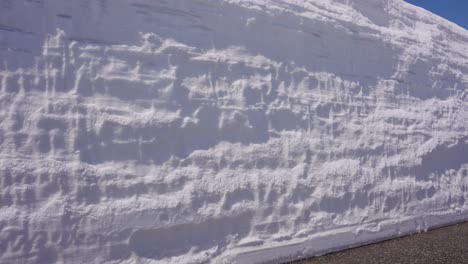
(225, 131)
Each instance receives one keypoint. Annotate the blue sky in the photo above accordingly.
(453, 10)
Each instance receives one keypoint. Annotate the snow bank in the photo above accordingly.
(233, 131)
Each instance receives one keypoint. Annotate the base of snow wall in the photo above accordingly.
(347, 238)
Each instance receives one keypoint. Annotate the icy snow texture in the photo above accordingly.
(245, 131)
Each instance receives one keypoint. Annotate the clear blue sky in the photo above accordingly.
(453, 10)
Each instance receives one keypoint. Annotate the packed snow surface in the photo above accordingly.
(226, 131)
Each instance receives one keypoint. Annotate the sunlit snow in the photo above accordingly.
(226, 131)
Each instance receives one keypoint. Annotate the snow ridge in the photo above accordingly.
(233, 131)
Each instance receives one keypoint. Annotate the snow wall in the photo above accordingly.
(226, 131)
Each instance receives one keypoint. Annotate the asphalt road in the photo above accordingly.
(444, 245)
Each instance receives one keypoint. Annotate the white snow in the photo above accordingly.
(226, 131)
